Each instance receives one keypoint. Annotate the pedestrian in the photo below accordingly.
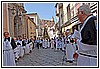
(45, 43)
(16, 51)
(26, 45)
(37, 41)
(56, 43)
(62, 43)
(33, 43)
(22, 46)
(69, 50)
(32, 40)
(52, 43)
(25, 40)
(87, 44)
(8, 54)
(27, 49)
(48, 43)
(30, 44)
(41, 41)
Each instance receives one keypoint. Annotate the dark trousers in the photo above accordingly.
(38, 45)
(33, 45)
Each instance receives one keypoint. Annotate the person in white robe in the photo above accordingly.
(38, 42)
(62, 44)
(52, 43)
(20, 42)
(69, 51)
(16, 51)
(27, 49)
(31, 46)
(56, 43)
(87, 43)
(45, 43)
(35, 44)
(8, 50)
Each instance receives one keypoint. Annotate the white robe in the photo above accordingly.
(27, 49)
(70, 51)
(52, 43)
(16, 53)
(31, 46)
(35, 44)
(85, 60)
(45, 44)
(8, 54)
(21, 49)
(18, 49)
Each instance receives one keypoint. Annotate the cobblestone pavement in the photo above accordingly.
(43, 57)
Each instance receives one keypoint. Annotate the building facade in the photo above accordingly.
(67, 20)
(59, 17)
(36, 19)
(12, 18)
(31, 28)
(5, 18)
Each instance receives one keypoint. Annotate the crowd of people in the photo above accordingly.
(81, 45)
(14, 49)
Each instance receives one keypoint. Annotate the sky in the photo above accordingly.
(44, 10)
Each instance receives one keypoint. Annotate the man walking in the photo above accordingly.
(37, 41)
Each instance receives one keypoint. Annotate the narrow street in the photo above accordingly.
(43, 57)
(62, 33)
